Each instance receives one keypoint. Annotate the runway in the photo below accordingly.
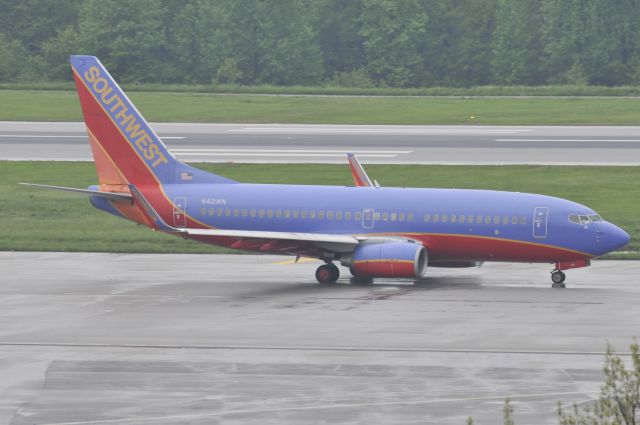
(329, 143)
(204, 339)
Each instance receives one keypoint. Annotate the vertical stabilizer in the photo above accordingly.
(125, 148)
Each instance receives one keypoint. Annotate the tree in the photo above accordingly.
(129, 38)
(338, 25)
(392, 32)
(273, 42)
(619, 401)
(517, 47)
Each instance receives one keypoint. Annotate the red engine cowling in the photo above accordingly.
(402, 259)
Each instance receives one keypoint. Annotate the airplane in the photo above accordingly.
(374, 231)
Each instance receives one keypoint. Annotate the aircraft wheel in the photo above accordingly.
(558, 278)
(359, 279)
(327, 273)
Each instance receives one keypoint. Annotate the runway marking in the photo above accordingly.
(341, 151)
(301, 260)
(312, 348)
(324, 407)
(369, 130)
(280, 154)
(51, 136)
(571, 140)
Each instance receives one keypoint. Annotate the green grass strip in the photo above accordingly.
(192, 107)
(41, 220)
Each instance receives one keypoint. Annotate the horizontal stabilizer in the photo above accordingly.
(114, 196)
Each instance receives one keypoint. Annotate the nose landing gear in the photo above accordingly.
(558, 278)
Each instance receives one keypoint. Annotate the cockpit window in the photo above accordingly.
(584, 219)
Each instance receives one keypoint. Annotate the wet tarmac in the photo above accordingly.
(208, 339)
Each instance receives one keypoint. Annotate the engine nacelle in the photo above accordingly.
(401, 259)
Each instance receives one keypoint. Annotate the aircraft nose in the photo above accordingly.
(617, 237)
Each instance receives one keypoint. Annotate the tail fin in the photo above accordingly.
(125, 148)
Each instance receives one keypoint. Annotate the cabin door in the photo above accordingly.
(179, 212)
(367, 218)
(540, 217)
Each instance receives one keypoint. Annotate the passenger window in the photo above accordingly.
(496, 219)
(401, 216)
(445, 218)
(203, 211)
(303, 214)
(287, 214)
(312, 215)
(385, 216)
(270, 213)
(236, 212)
(329, 215)
(227, 212)
(278, 213)
(427, 218)
(245, 212)
(358, 216)
(523, 220)
(487, 219)
(212, 211)
(478, 219)
(252, 213)
(338, 215)
(347, 215)
(394, 216)
(514, 220)
(321, 215)
(261, 212)
(220, 212)
(454, 218)
(461, 218)
(436, 218)
(296, 214)
(410, 217)
(470, 219)
(376, 216)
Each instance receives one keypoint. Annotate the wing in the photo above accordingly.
(360, 177)
(309, 244)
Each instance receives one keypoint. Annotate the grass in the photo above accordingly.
(328, 90)
(194, 107)
(40, 220)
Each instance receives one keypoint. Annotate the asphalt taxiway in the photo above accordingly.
(579, 145)
(205, 339)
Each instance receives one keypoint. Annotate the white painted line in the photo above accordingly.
(375, 130)
(302, 155)
(41, 136)
(571, 140)
(322, 407)
(50, 136)
(341, 151)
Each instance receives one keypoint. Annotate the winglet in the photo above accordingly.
(360, 177)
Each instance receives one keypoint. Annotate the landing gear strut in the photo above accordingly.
(327, 273)
(558, 277)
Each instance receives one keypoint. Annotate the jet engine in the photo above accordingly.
(395, 259)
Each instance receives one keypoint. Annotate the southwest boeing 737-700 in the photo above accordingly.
(374, 231)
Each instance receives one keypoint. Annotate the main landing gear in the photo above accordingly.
(558, 277)
(327, 273)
